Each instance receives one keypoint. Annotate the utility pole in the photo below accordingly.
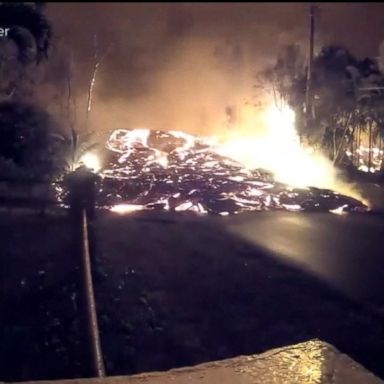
(309, 107)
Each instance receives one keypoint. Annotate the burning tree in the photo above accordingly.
(348, 100)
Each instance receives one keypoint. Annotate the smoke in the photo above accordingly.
(183, 66)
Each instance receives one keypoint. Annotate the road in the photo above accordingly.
(180, 290)
(346, 251)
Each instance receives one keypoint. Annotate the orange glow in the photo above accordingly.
(270, 141)
(262, 141)
(124, 209)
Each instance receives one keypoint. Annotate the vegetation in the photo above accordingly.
(76, 146)
(30, 147)
(27, 45)
(348, 99)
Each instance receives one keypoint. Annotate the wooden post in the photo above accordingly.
(81, 199)
(93, 328)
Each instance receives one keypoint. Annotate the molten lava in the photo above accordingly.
(180, 172)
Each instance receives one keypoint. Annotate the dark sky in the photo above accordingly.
(178, 65)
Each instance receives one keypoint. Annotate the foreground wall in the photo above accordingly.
(310, 362)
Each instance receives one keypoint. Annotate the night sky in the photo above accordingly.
(178, 65)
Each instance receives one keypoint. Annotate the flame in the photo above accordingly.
(176, 171)
(361, 157)
(340, 210)
(123, 209)
(91, 161)
(122, 140)
(278, 149)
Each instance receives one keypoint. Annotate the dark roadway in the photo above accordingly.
(176, 291)
(346, 251)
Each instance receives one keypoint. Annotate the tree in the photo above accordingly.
(28, 45)
(282, 77)
(348, 98)
(286, 80)
(29, 29)
(75, 147)
(30, 144)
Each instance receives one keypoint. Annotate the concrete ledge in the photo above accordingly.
(310, 362)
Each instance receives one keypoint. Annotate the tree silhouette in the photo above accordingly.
(29, 30)
(348, 98)
(26, 46)
(29, 142)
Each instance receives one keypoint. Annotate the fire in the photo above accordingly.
(91, 161)
(361, 158)
(126, 208)
(338, 211)
(279, 151)
(176, 171)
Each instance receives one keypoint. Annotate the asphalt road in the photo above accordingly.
(345, 251)
(178, 290)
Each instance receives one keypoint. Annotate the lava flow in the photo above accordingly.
(179, 172)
